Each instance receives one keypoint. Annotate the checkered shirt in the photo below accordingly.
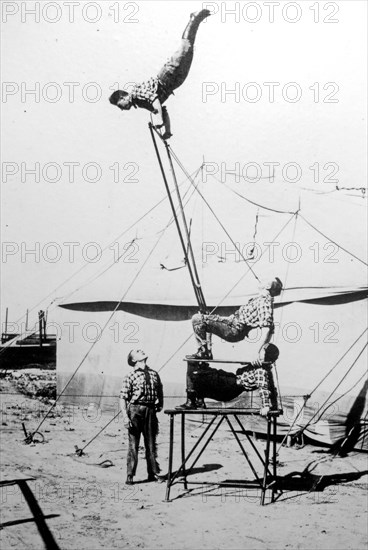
(260, 378)
(257, 312)
(144, 94)
(136, 388)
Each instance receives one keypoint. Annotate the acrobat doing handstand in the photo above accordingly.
(151, 95)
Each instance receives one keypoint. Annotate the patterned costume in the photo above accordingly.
(257, 312)
(142, 390)
(170, 77)
(225, 386)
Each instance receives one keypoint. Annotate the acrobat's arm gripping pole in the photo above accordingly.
(197, 289)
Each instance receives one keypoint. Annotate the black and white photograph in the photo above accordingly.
(183, 355)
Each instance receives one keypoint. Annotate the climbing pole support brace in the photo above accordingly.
(187, 249)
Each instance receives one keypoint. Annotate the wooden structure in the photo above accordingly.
(31, 348)
(265, 481)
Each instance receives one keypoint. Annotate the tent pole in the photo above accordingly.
(195, 288)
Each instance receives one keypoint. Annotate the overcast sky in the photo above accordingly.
(299, 96)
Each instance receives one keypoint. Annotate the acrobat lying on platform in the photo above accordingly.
(204, 381)
(152, 94)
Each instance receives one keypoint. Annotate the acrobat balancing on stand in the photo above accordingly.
(153, 93)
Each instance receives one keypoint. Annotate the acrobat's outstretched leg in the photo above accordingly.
(176, 69)
(151, 95)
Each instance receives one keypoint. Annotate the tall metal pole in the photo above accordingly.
(6, 321)
(40, 326)
(203, 306)
(195, 287)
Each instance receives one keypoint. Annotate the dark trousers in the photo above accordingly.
(213, 383)
(176, 69)
(144, 421)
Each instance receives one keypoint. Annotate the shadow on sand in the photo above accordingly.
(38, 516)
(306, 481)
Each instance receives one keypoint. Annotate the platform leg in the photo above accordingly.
(210, 437)
(250, 441)
(267, 459)
(183, 450)
(274, 458)
(171, 449)
(176, 474)
(245, 454)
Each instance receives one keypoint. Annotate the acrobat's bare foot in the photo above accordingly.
(167, 135)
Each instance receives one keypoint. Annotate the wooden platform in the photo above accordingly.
(221, 411)
(224, 361)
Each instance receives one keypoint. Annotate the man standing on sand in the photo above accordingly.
(152, 94)
(141, 397)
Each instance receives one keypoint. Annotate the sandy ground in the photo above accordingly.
(88, 506)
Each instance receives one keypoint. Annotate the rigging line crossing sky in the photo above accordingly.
(105, 269)
(253, 202)
(96, 276)
(220, 223)
(190, 191)
(334, 242)
(61, 393)
(258, 259)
